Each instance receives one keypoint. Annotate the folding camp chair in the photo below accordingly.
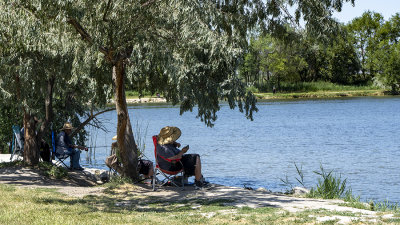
(169, 176)
(59, 158)
(17, 144)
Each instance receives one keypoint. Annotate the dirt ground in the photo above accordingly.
(80, 184)
(83, 183)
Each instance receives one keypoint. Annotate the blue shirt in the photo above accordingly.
(166, 151)
(62, 143)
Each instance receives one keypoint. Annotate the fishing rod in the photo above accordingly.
(102, 146)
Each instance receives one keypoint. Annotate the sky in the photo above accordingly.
(385, 7)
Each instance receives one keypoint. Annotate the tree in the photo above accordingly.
(364, 30)
(37, 80)
(343, 60)
(387, 56)
(189, 50)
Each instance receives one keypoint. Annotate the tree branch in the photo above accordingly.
(91, 117)
(85, 36)
(105, 12)
(148, 3)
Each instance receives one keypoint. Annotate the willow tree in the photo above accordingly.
(39, 74)
(189, 50)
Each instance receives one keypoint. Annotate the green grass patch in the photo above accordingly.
(52, 170)
(320, 94)
(288, 87)
(11, 164)
(321, 86)
(136, 94)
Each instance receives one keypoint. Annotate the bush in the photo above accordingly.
(252, 89)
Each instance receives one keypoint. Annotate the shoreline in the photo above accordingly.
(321, 94)
(277, 96)
(82, 185)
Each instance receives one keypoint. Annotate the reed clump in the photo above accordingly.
(330, 185)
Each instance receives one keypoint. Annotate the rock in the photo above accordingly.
(101, 176)
(261, 189)
(300, 191)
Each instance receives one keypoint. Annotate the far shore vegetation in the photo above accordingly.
(287, 90)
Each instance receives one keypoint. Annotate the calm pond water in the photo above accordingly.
(356, 137)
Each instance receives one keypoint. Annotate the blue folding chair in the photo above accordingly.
(59, 158)
(17, 144)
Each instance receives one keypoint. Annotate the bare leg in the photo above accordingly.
(197, 170)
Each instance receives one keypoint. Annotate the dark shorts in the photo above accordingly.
(144, 166)
(189, 164)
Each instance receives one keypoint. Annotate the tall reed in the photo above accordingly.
(330, 185)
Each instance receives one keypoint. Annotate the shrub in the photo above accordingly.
(51, 170)
(252, 89)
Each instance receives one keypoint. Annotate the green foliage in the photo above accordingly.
(116, 181)
(140, 135)
(384, 206)
(9, 116)
(252, 89)
(387, 56)
(289, 87)
(52, 170)
(364, 31)
(344, 63)
(330, 186)
(11, 164)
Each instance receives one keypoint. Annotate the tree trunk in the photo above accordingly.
(31, 148)
(126, 142)
(48, 108)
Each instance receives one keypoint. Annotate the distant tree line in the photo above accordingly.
(366, 52)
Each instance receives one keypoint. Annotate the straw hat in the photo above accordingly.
(67, 126)
(168, 135)
(115, 137)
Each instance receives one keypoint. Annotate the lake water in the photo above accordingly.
(356, 137)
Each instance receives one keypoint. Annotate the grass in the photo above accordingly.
(330, 185)
(46, 206)
(315, 90)
(287, 87)
(321, 86)
(119, 205)
(135, 94)
(288, 90)
(320, 94)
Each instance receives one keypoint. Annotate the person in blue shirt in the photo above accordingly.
(64, 146)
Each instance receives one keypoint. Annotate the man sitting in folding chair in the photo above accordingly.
(167, 150)
(65, 148)
(145, 167)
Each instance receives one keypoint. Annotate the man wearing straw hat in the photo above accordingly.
(168, 148)
(64, 146)
(144, 167)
